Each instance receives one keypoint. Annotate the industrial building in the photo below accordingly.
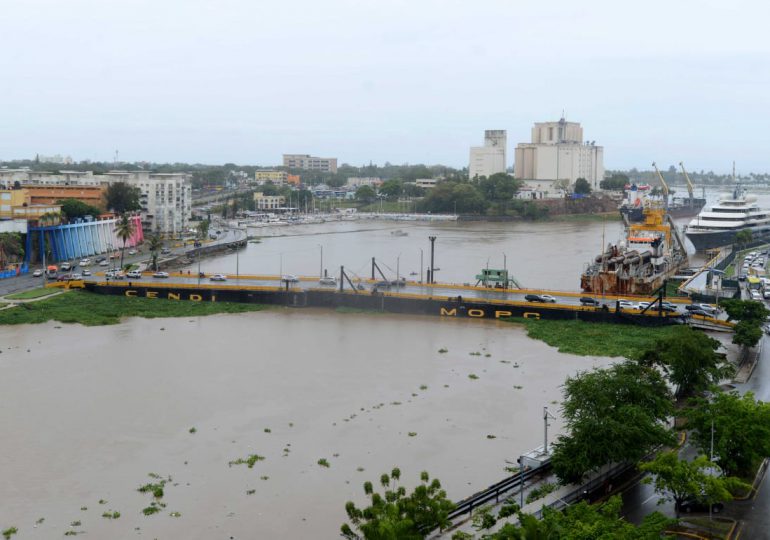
(310, 163)
(488, 159)
(557, 153)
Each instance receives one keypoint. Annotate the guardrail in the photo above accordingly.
(494, 491)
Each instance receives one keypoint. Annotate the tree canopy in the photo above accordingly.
(75, 208)
(689, 359)
(750, 315)
(365, 194)
(678, 479)
(394, 515)
(121, 197)
(582, 186)
(741, 429)
(448, 197)
(613, 415)
(616, 182)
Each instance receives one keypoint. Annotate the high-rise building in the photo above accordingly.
(310, 163)
(557, 153)
(488, 159)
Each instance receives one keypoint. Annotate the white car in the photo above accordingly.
(288, 278)
(134, 274)
(548, 298)
(104, 263)
(132, 252)
(627, 304)
(37, 273)
(642, 305)
(85, 262)
(328, 280)
(160, 275)
(86, 272)
(218, 277)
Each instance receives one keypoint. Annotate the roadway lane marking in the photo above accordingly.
(648, 499)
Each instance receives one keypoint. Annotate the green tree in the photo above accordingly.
(203, 229)
(124, 229)
(583, 521)
(743, 237)
(499, 187)
(616, 182)
(365, 194)
(613, 415)
(391, 189)
(582, 186)
(394, 515)
(741, 430)
(689, 358)
(156, 244)
(121, 198)
(678, 480)
(74, 208)
(11, 248)
(750, 315)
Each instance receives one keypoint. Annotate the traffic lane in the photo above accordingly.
(755, 513)
(20, 284)
(640, 500)
(758, 383)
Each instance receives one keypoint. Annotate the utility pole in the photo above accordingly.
(421, 266)
(431, 277)
(546, 414)
(321, 272)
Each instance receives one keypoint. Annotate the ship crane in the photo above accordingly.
(663, 183)
(690, 187)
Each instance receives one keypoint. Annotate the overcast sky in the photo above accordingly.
(413, 81)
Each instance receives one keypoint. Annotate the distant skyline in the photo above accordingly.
(405, 82)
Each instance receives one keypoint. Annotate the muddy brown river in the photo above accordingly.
(88, 413)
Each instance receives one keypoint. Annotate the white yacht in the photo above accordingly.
(718, 224)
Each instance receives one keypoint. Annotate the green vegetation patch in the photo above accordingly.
(33, 293)
(594, 339)
(92, 309)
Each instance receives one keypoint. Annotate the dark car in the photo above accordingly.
(100, 259)
(588, 301)
(700, 312)
(696, 505)
(64, 277)
(534, 298)
(701, 308)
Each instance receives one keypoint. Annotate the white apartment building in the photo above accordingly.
(371, 181)
(310, 163)
(269, 202)
(166, 198)
(557, 152)
(488, 159)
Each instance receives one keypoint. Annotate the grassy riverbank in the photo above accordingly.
(593, 339)
(31, 294)
(92, 309)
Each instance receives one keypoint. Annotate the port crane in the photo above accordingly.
(663, 184)
(690, 187)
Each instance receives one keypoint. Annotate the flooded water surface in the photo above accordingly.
(88, 413)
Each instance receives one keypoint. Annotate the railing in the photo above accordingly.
(21, 270)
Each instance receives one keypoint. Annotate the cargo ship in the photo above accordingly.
(637, 198)
(651, 252)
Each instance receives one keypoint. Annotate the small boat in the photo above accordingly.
(399, 232)
(328, 280)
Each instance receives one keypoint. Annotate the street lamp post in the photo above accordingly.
(398, 268)
(421, 267)
(321, 270)
(719, 274)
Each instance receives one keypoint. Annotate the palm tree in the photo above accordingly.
(156, 244)
(203, 229)
(124, 230)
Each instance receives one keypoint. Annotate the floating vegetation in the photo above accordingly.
(10, 531)
(175, 514)
(423, 387)
(491, 436)
(360, 469)
(554, 402)
(40, 521)
(443, 350)
(475, 353)
(473, 376)
(83, 508)
(155, 488)
(193, 430)
(518, 386)
(150, 510)
(251, 491)
(111, 515)
(291, 424)
(71, 533)
(515, 364)
(264, 478)
(487, 355)
(395, 403)
(505, 361)
(249, 461)
(323, 462)
(102, 501)
(414, 395)
(267, 430)
(446, 386)
(75, 523)
(412, 434)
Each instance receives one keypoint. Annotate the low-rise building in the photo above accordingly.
(261, 177)
(48, 194)
(310, 163)
(356, 182)
(269, 202)
(426, 183)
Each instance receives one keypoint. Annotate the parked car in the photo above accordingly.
(627, 304)
(642, 305)
(289, 278)
(37, 273)
(696, 505)
(132, 252)
(134, 274)
(104, 262)
(701, 307)
(588, 301)
(701, 313)
(85, 262)
(86, 272)
(100, 258)
(65, 267)
(328, 280)
(160, 275)
(218, 277)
